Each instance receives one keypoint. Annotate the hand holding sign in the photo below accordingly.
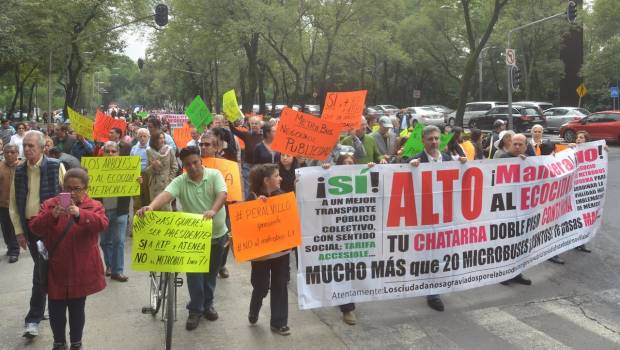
(261, 228)
(304, 135)
(346, 108)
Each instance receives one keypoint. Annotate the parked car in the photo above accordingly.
(558, 116)
(445, 111)
(387, 109)
(424, 115)
(600, 125)
(542, 106)
(523, 116)
(473, 109)
(315, 110)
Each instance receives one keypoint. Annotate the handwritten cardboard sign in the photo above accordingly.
(112, 176)
(304, 135)
(231, 107)
(80, 124)
(231, 174)
(345, 108)
(182, 135)
(103, 124)
(260, 228)
(199, 114)
(166, 241)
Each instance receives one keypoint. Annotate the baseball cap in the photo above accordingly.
(498, 122)
(385, 122)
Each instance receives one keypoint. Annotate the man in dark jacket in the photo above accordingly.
(36, 180)
(432, 154)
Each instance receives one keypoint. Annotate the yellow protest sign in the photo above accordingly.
(80, 124)
(166, 241)
(231, 107)
(112, 176)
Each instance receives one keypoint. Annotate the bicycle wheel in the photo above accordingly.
(170, 306)
(156, 293)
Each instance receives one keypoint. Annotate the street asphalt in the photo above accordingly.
(576, 305)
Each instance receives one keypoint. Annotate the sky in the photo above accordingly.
(137, 41)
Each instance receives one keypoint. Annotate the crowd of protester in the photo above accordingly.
(36, 165)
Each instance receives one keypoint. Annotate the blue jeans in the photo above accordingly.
(245, 172)
(113, 241)
(201, 286)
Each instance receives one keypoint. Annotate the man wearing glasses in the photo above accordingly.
(36, 180)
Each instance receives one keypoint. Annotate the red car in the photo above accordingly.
(600, 125)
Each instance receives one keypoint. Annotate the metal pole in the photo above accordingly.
(480, 77)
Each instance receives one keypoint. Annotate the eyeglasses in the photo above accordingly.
(205, 144)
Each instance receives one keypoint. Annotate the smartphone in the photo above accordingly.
(65, 199)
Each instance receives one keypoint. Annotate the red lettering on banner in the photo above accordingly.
(508, 173)
(447, 177)
(471, 198)
(429, 217)
(402, 190)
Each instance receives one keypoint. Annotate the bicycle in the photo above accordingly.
(163, 295)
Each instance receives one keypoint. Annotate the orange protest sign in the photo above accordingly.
(232, 176)
(182, 135)
(260, 228)
(559, 147)
(103, 124)
(345, 108)
(303, 135)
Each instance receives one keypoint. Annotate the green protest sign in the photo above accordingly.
(414, 143)
(143, 114)
(444, 139)
(199, 114)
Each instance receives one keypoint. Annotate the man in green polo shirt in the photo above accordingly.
(201, 191)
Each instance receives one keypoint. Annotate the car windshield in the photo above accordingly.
(530, 111)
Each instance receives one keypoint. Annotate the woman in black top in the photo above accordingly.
(269, 273)
(287, 165)
(263, 154)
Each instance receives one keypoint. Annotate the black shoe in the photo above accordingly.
(252, 318)
(76, 346)
(505, 283)
(284, 330)
(582, 248)
(435, 304)
(13, 259)
(210, 314)
(192, 322)
(557, 260)
(224, 272)
(59, 346)
(521, 280)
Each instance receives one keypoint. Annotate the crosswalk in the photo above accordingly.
(589, 321)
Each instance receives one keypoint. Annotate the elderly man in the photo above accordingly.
(7, 173)
(385, 138)
(195, 138)
(517, 149)
(36, 180)
(139, 149)
(432, 154)
(369, 151)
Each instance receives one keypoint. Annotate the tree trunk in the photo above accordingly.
(17, 83)
(251, 52)
(30, 98)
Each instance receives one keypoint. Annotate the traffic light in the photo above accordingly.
(161, 15)
(516, 77)
(571, 12)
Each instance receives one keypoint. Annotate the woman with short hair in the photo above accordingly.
(69, 228)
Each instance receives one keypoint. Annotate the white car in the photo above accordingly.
(424, 115)
(558, 116)
(387, 109)
(473, 109)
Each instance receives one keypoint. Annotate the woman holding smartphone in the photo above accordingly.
(69, 226)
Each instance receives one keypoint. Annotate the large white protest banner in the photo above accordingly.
(396, 231)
